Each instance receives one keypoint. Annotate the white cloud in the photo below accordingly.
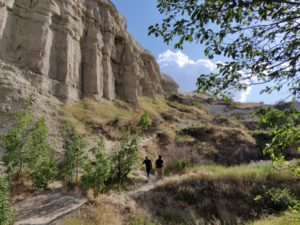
(242, 96)
(185, 71)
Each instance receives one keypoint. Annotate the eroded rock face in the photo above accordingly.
(168, 84)
(81, 47)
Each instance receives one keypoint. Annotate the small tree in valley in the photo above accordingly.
(74, 156)
(26, 147)
(286, 135)
(124, 158)
(97, 171)
(41, 163)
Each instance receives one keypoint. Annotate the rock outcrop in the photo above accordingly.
(168, 84)
(79, 48)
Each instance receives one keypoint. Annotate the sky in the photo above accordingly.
(183, 66)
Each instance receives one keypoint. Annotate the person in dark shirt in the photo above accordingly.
(159, 165)
(148, 164)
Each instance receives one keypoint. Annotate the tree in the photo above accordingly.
(96, 172)
(6, 214)
(273, 118)
(124, 158)
(42, 161)
(75, 156)
(286, 135)
(16, 146)
(260, 38)
(26, 147)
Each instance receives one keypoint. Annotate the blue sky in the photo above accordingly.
(184, 66)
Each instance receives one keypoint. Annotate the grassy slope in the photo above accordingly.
(285, 219)
(216, 193)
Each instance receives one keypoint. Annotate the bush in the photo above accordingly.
(26, 146)
(6, 215)
(276, 199)
(145, 121)
(124, 158)
(97, 172)
(178, 166)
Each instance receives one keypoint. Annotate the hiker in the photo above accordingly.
(159, 164)
(148, 164)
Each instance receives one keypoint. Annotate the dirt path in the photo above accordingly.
(43, 209)
(47, 208)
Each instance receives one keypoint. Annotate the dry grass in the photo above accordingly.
(87, 112)
(232, 145)
(154, 106)
(241, 173)
(109, 210)
(91, 112)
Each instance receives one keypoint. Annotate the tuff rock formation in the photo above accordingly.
(168, 84)
(76, 48)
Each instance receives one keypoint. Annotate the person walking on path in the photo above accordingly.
(159, 164)
(148, 164)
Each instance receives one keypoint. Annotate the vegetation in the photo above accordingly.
(225, 145)
(272, 118)
(286, 136)
(278, 199)
(145, 121)
(179, 166)
(259, 38)
(97, 171)
(27, 148)
(138, 221)
(123, 159)
(257, 190)
(287, 218)
(6, 214)
(75, 156)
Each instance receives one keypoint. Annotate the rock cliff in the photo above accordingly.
(168, 84)
(76, 48)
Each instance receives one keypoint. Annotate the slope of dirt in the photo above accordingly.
(46, 208)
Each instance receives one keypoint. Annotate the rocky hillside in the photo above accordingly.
(71, 50)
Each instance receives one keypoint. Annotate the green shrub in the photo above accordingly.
(97, 172)
(123, 159)
(6, 215)
(145, 121)
(272, 118)
(178, 166)
(26, 146)
(276, 199)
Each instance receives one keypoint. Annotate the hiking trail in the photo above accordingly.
(46, 208)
